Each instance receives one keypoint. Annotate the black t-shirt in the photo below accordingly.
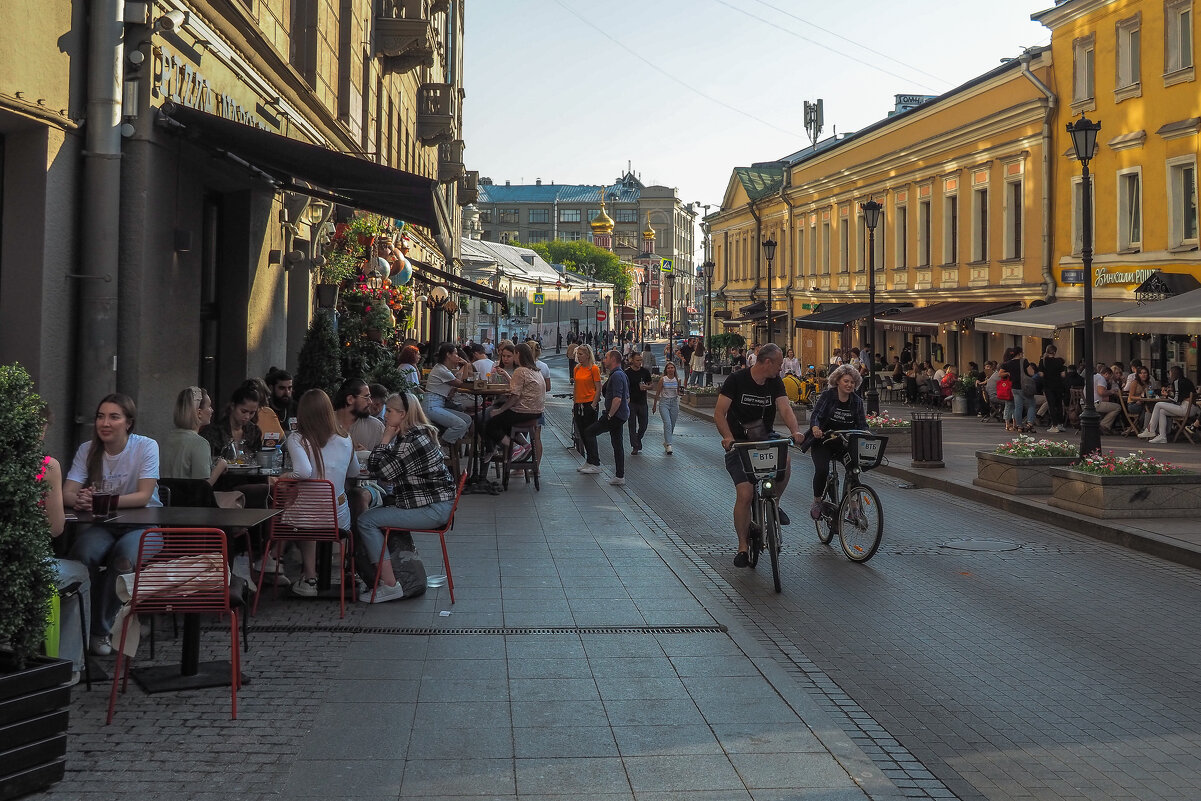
(842, 416)
(1184, 388)
(1016, 369)
(1052, 370)
(751, 402)
(641, 375)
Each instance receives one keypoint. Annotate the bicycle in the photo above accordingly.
(765, 461)
(858, 517)
(577, 436)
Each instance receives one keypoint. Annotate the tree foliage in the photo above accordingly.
(320, 362)
(585, 258)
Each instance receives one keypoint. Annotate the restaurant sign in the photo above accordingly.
(178, 81)
(1103, 276)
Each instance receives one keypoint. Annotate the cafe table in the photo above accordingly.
(191, 673)
(479, 463)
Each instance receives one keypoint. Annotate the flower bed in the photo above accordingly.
(1023, 465)
(898, 430)
(1135, 485)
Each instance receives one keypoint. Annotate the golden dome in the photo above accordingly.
(648, 232)
(602, 223)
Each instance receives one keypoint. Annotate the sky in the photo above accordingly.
(573, 91)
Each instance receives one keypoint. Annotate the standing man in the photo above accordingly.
(571, 346)
(280, 384)
(616, 399)
(746, 410)
(639, 379)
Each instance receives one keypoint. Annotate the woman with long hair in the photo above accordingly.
(697, 365)
(320, 449)
(236, 424)
(183, 453)
(587, 390)
(790, 366)
(526, 399)
(440, 390)
(124, 464)
(667, 402)
(408, 456)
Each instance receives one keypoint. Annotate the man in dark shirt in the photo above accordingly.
(639, 379)
(614, 413)
(746, 409)
(280, 384)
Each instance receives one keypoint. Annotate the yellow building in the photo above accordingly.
(965, 183)
(1130, 65)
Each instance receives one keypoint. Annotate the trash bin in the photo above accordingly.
(927, 439)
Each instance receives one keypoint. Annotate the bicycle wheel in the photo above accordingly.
(860, 523)
(827, 524)
(771, 536)
(755, 535)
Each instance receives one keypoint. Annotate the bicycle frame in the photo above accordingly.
(766, 463)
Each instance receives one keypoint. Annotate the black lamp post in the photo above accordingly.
(1084, 137)
(671, 310)
(558, 311)
(642, 285)
(871, 218)
(769, 251)
(596, 309)
(706, 271)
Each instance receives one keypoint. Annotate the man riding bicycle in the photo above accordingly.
(838, 408)
(746, 409)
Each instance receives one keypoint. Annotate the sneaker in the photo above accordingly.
(102, 646)
(667, 448)
(1053, 430)
(1146, 434)
(521, 452)
(589, 469)
(815, 511)
(617, 482)
(268, 563)
(384, 593)
(784, 518)
(569, 446)
(305, 587)
(1160, 440)
(635, 451)
(741, 559)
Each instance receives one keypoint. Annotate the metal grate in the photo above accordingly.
(506, 631)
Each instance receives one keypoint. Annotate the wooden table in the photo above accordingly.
(478, 464)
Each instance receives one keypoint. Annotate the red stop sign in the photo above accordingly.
(601, 315)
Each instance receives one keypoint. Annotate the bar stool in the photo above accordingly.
(530, 463)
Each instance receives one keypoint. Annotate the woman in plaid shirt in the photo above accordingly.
(408, 457)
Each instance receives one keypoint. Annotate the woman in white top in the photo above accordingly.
(440, 388)
(407, 366)
(319, 449)
(667, 402)
(791, 365)
(127, 463)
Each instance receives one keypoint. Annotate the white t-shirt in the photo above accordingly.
(340, 464)
(483, 366)
(366, 432)
(544, 369)
(138, 460)
(438, 382)
(1099, 383)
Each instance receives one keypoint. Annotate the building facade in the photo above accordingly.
(202, 152)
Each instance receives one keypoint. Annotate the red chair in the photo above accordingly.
(441, 532)
(310, 515)
(189, 574)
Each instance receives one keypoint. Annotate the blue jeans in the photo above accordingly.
(455, 422)
(117, 551)
(372, 522)
(70, 645)
(1023, 407)
(669, 410)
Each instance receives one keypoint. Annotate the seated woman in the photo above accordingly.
(236, 426)
(128, 464)
(320, 450)
(1138, 387)
(407, 366)
(408, 456)
(439, 393)
(526, 400)
(183, 453)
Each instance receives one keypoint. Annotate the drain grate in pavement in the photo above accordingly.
(494, 630)
(981, 544)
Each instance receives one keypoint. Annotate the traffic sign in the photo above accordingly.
(539, 298)
(665, 265)
(589, 295)
(601, 314)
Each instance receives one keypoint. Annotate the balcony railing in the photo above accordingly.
(436, 113)
(450, 161)
(404, 34)
(469, 189)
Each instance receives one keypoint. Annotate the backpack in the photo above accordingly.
(1005, 390)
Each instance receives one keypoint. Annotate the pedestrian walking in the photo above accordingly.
(616, 410)
(639, 379)
(667, 402)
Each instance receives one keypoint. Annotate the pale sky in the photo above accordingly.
(571, 90)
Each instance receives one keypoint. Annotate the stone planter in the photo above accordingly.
(1169, 495)
(900, 439)
(701, 401)
(1017, 475)
(959, 404)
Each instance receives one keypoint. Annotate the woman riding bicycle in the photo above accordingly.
(837, 409)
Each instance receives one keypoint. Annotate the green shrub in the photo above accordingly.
(320, 362)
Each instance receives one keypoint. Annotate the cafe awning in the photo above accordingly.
(1043, 321)
(455, 283)
(927, 319)
(834, 316)
(313, 170)
(1178, 315)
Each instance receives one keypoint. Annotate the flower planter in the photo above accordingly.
(33, 725)
(701, 401)
(959, 404)
(1017, 475)
(327, 296)
(900, 438)
(1121, 496)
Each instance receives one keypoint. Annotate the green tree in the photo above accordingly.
(585, 258)
(320, 362)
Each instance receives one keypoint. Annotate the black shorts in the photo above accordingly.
(734, 464)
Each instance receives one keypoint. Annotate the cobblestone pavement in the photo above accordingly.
(1059, 668)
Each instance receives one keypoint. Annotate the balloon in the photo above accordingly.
(402, 271)
(382, 265)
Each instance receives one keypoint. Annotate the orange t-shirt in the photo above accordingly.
(585, 383)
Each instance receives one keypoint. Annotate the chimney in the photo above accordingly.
(507, 183)
(538, 182)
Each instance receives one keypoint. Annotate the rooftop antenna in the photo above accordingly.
(814, 121)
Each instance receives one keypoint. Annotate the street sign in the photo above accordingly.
(601, 315)
(589, 295)
(665, 265)
(539, 298)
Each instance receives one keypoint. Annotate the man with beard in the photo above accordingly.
(352, 407)
(280, 383)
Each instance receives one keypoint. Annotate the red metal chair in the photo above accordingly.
(310, 515)
(188, 574)
(441, 532)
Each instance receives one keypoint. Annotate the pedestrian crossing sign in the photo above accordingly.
(539, 298)
(665, 265)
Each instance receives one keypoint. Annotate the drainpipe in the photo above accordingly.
(98, 276)
(750, 206)
(791, 250)
(1048, 161)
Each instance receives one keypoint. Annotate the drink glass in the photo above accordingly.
(104, 499)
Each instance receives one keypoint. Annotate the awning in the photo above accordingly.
(927, 319)
(460, 284)
(313, 170)
(1042, 321)
(751, 308)
(1162, 286)
(835, 316)
(1178, 315)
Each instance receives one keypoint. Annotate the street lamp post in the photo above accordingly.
(642, 285)
(1084, 137)
(558, 312)
(496, 306)
(871, 218)
(706, 271)
(769, 251)
(671, 309)
(595, 311)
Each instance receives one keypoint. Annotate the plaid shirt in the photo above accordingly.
(414, 463)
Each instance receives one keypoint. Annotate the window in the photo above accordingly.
(1182, 200)
(902, 252)
(1178, 35)
(1130, 210)
(570, 215)
(571, 236)
(509, 236)
(950, 230)
(593, 214)
(923, 234)
(625, 216)
(980, 224)
(1082, 75)
(509, 215)
(485, 215)
(844, 241)
(539, 236)
(539, 216)
(861, 241)
(881, 227)
(800, 251)
(1129, 53)
(1014, 208)
(813, 249)
(825, 248)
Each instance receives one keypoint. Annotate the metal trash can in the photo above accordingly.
(927, 439)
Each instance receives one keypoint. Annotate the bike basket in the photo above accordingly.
(869, 449)
(765, 461)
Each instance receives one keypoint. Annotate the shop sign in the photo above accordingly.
(1103, 276)
(178, 81)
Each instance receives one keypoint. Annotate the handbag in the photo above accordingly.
(1005, 390)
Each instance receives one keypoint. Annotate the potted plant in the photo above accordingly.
(702, 397)
(1136, 485)
(331, 270)
(960, 390)
(320, 361)
(898, 430)
(34, 690)
(1023, 465)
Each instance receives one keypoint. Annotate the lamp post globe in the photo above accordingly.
(871, 218)
(1084, 138)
